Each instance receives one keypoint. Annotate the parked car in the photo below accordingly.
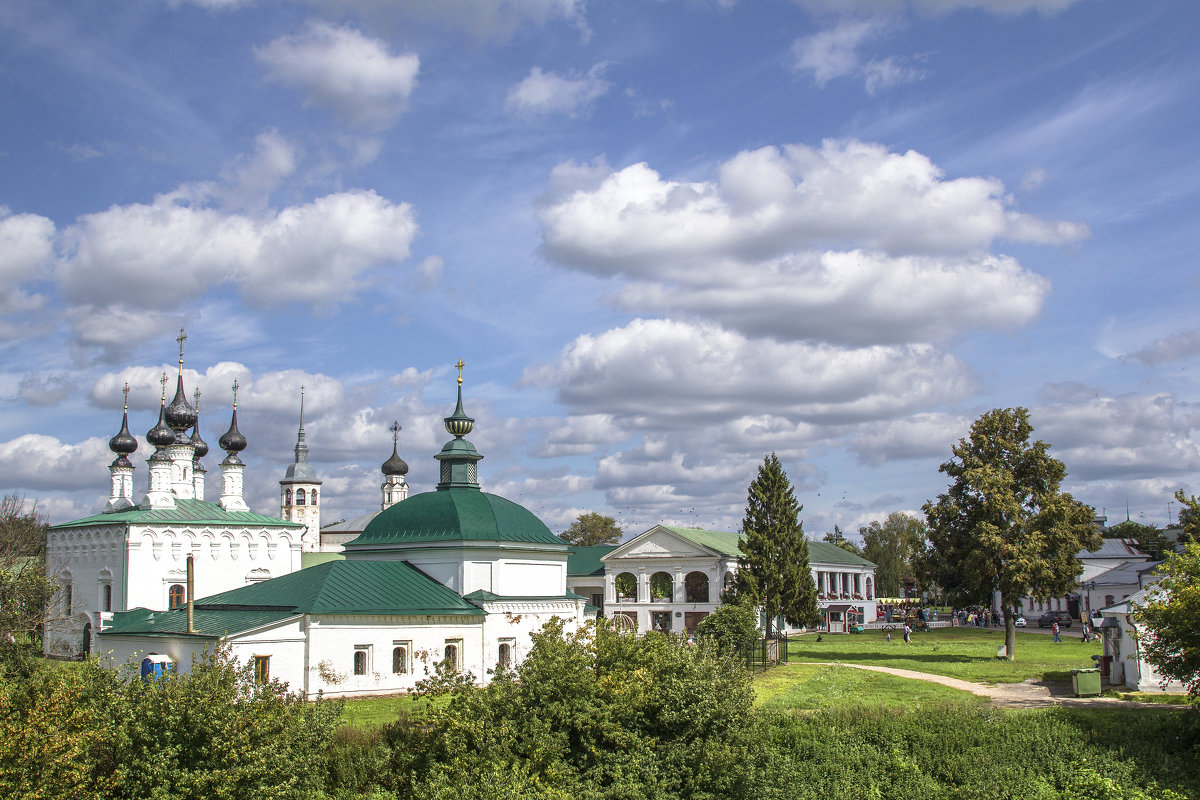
(1050, 617)
(1019, 622)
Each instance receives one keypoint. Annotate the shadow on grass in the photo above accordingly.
(857, 656)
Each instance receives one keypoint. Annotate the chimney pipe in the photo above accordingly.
(191, 593)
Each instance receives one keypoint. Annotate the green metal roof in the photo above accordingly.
(314, 559)
(190, 512)
(484, 596)
(209, 623)
(348, 587)
(586, 560)
(455, 515)
(726, 543)
(390, 588)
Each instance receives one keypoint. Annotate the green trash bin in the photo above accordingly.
(1086, 682)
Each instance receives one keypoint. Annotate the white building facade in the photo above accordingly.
(132, 555)
(456, 578)
(669, 578)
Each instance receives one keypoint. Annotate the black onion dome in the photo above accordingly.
(232, 441)
(123, 443)
(198, 443)
(122, 461)
(395, 465)
(180, 414)
(161, 434)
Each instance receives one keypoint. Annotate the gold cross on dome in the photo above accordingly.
(126, 391)
(181, 338)
(235, 388)
(163, 381)
(196, 394)
(460, 365)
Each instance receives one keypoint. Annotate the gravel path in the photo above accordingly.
(1032, 693)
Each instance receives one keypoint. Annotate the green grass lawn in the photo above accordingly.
(965, 653)
(811, 687)
(372, 712)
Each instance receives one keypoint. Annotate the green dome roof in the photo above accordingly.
(452, 515)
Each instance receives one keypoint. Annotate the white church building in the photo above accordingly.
(455, 575)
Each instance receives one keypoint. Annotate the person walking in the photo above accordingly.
(907, 633)
(1054, 629)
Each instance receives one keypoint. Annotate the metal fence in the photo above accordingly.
(762, 654)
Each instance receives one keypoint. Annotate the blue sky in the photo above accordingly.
(666, 238)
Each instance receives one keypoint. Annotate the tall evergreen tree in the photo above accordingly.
(773, 570)
(1004, 525)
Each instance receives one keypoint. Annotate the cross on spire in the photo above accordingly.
(126, 391)
(395, 429)
(196, 394)
(460, 366)
(235, 388)
(181, 338)
(163, 381)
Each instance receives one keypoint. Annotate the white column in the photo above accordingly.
(677, 591)
(231, 485)
(159, 493)
(643, 582)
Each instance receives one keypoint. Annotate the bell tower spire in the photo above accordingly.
(299, 495)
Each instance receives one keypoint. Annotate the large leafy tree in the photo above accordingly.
(1004, 525)
(1189, 517)
(589, 714)
(25, 591)
(1172, 619)
(773, 570)
(896, 546)
(591, 529)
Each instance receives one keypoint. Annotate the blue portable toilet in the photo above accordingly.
(155, 666)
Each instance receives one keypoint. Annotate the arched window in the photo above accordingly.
(661, 586)
(695, 585)
(287, 497)
(176, 595)
(626, 586)
(299, 497)
(106, 597)
(450, 657)
(360, 662)
(67, 606)
(399, 660)
(505, 660)
(312, 501)
(87, 639)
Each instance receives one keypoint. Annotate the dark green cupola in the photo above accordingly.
(458, 457)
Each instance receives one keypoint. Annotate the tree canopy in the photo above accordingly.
(572, 721)
(1189, 516)
(773, 571)
(897, 548)
(836, 536)
(1004, 525)
(591, 529)
(25, 591)
(1172, 619)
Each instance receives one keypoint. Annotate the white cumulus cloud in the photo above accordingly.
(669, 373)
(343, 70)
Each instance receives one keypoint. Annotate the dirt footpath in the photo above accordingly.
(1032, 693)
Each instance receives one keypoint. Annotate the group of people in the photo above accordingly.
(977, 617)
